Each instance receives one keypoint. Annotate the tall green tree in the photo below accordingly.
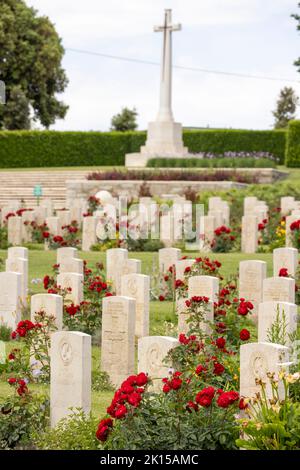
(297, 18)
(286, 107)
(125, 120)
(30, 65)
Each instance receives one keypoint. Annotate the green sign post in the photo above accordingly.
(38, 192)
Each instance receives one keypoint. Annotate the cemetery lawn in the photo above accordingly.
(41, 262)
(163, 320)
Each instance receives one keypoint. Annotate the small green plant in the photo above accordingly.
(101, 382)
(22, 414)
(273, 423)
(5, 333)
(77, 432)
(278, 332)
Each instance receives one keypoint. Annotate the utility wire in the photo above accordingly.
(181, 67)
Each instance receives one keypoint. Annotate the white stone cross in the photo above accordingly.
(165, 109)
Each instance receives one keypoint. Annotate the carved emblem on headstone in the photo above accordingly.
(66, 353)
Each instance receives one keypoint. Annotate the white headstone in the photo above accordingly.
(137, 286)
(14, 230)
(27, 218)
(210, 225)
(249, 203)
(89, 237)
(285, 313)
(20, 265)
(287, 204)
(40, 214)
(71, 265)
(17, 252)
(118, 334)
(256, 361)
(204, 286)
(53, 225)
(73, 281)
(218, 215)
(51, 304)
(288, 232)
(64, 218)
(10, 296)
(279, 289)
(63, 254)
(205, 326)
(251, 276)
(152, 350)
(70, 384)
(167, 258)
(114, 259)
(181, 266)
(285, 258)
(249, 234)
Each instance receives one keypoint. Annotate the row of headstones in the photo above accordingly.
(14, 281)
(71, 359)
(19, 226)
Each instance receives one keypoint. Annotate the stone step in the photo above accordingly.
(17, 185)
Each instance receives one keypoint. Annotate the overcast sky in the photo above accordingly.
(255, 37)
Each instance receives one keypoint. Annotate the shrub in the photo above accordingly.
(272, 424)
(293, 145)
(5, 333)
(21, 415)
(77, 432)
(232, 140)
(148, 175)
(29, 149)
(224, 162)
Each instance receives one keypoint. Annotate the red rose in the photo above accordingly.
(283, 272)
(221, 343)
(192, 406)
(46, 282)
(183, 339)
(46, 235)
(134, 399)
(175, 383)
(161, 298)
(121, 411)
(72, 310)
(103, 429)
(244, 335)
(141, 379)
(200, 369)
(244, 307)
(226, 399)
(12, 381)
(204, 397)
(218, 368)
(166, 388)
(187, 269)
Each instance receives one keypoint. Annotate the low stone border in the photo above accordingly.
(81, 189)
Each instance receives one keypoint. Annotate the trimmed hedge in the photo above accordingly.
(246, 162)
(293, 145)
(28, 149)
(232, 140)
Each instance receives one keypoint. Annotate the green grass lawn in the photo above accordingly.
(41, 262)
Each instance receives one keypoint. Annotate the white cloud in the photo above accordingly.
(247, 36)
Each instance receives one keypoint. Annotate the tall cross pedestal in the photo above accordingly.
(164, 137)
